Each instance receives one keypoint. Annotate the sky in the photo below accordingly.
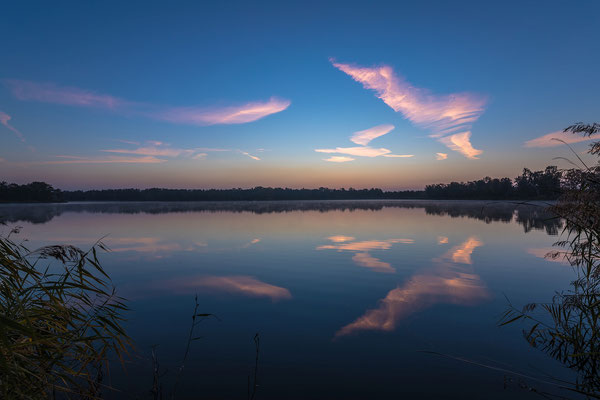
(395, 95)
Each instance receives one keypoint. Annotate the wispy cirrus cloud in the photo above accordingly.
(364, 137)
(339, 159)
(557, 138)
(73, 96)
(365, 151)
(440, 114)
(242, 114)
(249, 155)
(441, 156)
(156, 148)
(461, 143)
(4, 118)
(65, 95)
(102, 160)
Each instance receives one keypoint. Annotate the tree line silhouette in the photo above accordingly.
(530, 185)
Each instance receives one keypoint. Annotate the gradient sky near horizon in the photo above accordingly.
(394, 95)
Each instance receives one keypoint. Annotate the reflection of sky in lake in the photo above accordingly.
(343, 299)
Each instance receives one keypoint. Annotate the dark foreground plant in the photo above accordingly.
(60, 321)
(568, 328)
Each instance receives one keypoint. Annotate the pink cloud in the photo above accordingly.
(462, 254)
(461, 142)
(244, 285)
(356, 151)
(441, 156)
(153, 151)
(250, 155)
(366, 245)
(364, 137)
(341, 238)
(4, 118)
(449, 282)
(368, 261)
(557, 138)
(72, 96)
(339, 159)
(103, 160)
(441, 114)
(230, 115)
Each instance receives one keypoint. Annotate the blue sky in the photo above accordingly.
(162, 86)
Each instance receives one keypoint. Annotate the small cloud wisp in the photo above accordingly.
(4, 118)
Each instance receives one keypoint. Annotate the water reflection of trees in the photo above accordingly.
(568, 327)
(530, 216)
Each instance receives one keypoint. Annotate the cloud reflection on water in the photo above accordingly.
(449, 282)
(363, 258)
(237, 284)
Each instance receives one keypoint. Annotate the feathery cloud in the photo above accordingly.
(339, 159)
(441, 156)
(365, 151)
(440, 114)
(364, 137)
(4, 118)
(557, 138)
(229, 115)
(159, 150)
(156, 148)
(461, 143)
(102, 160)
(73, 96)
(66, 95)
(250, 155)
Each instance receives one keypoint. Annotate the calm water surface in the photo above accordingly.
(345, 295)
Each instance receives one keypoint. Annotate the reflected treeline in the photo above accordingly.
(568, 327)
(530, 216)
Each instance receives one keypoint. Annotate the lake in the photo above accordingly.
(351, 299)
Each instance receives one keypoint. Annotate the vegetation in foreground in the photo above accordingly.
(60, 321)
(568, 327)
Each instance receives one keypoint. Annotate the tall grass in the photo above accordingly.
(568, 327)
(60, 321)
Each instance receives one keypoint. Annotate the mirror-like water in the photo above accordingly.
(345, 295)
